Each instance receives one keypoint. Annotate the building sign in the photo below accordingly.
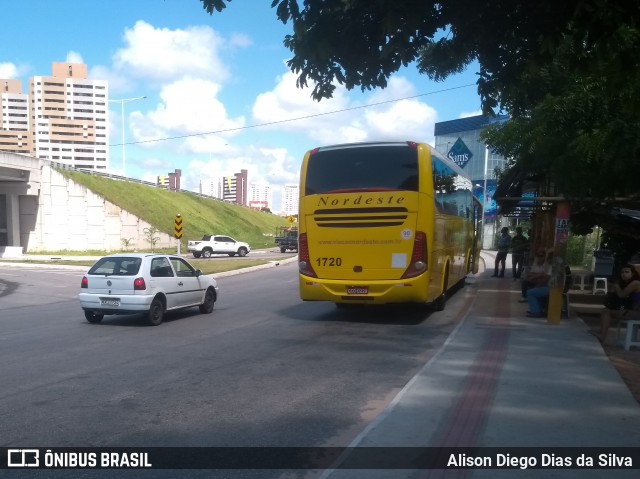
(258, 205)
(459, 153)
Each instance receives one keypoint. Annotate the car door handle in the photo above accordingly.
(180, 283)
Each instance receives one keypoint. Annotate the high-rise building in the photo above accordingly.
(66, 117)
(163, 182)
(290, 194)
(260, 195)
(14, 117)
(209, 187)
(234, 189)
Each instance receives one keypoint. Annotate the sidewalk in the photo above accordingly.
(503, 380)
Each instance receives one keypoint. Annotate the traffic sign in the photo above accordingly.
(291, 220)
(178, 233)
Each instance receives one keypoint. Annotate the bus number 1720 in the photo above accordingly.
(329, 261)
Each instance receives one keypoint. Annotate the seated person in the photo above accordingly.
(538, 274)
(628, 287)
(538, 295)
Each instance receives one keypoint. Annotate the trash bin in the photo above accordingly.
(602, 264)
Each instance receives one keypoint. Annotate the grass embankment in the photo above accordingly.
(200, 216)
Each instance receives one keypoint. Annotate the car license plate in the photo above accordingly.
(357, 290)
(110, 302)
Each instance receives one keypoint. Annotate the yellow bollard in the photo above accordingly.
(554, 310)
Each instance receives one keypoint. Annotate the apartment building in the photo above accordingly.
(290, 198)
(15, 135)
(66, 117)
(260, 196)
(171, 181)
(233, 188)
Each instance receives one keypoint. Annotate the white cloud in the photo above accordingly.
(74, 57)
(8, 71)
(119, 84)
(388, 118)
(240, 40)
(467, 114)
(188, 107)
(264, 165)
(402, 120)
(286, 101)
(164, 55)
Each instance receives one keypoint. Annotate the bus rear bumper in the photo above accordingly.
(412, 290)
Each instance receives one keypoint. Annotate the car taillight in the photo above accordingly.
(139, 285)
(304, 263)
(84, 283)
(418, 264)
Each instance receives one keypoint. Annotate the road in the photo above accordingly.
(264, 369)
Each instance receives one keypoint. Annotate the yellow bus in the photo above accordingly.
(384, 222)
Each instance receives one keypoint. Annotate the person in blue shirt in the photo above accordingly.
(504, 243)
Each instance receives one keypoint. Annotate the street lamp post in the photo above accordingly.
(484, 192)
(122, 102)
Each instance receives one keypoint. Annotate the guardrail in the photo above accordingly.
(88, 171)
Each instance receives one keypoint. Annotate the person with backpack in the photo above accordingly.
(504, 243)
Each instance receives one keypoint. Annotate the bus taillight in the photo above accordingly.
(304, 263)
(418, 264)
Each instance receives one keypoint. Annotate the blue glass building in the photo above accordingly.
(459, 140)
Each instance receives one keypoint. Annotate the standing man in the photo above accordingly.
(519, 245)
(504, 243)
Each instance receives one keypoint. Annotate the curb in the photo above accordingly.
(271, 264)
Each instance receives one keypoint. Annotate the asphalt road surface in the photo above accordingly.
(264, 369)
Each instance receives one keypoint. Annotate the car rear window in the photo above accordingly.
(120, 266)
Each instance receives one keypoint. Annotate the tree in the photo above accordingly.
(360, 43)
(566, 72)
(126, 243)
(150, 236)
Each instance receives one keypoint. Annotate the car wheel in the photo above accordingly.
(209, 300)
(156, 312)
(196, 255)
(283, 250)
(242, 252)
(92, 317)
(206, 253)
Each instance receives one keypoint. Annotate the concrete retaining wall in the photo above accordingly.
(67, 216)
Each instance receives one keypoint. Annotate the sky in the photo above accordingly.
(219, 95)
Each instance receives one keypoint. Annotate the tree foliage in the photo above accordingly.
(567, 73)
(360, 43)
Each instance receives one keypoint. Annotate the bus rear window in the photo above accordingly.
(362, 168)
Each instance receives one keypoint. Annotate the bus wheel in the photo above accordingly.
(441, 301)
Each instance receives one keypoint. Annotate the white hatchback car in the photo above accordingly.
(146, 283)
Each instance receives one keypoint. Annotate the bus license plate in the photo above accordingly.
(110, 302)
(357, 290)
